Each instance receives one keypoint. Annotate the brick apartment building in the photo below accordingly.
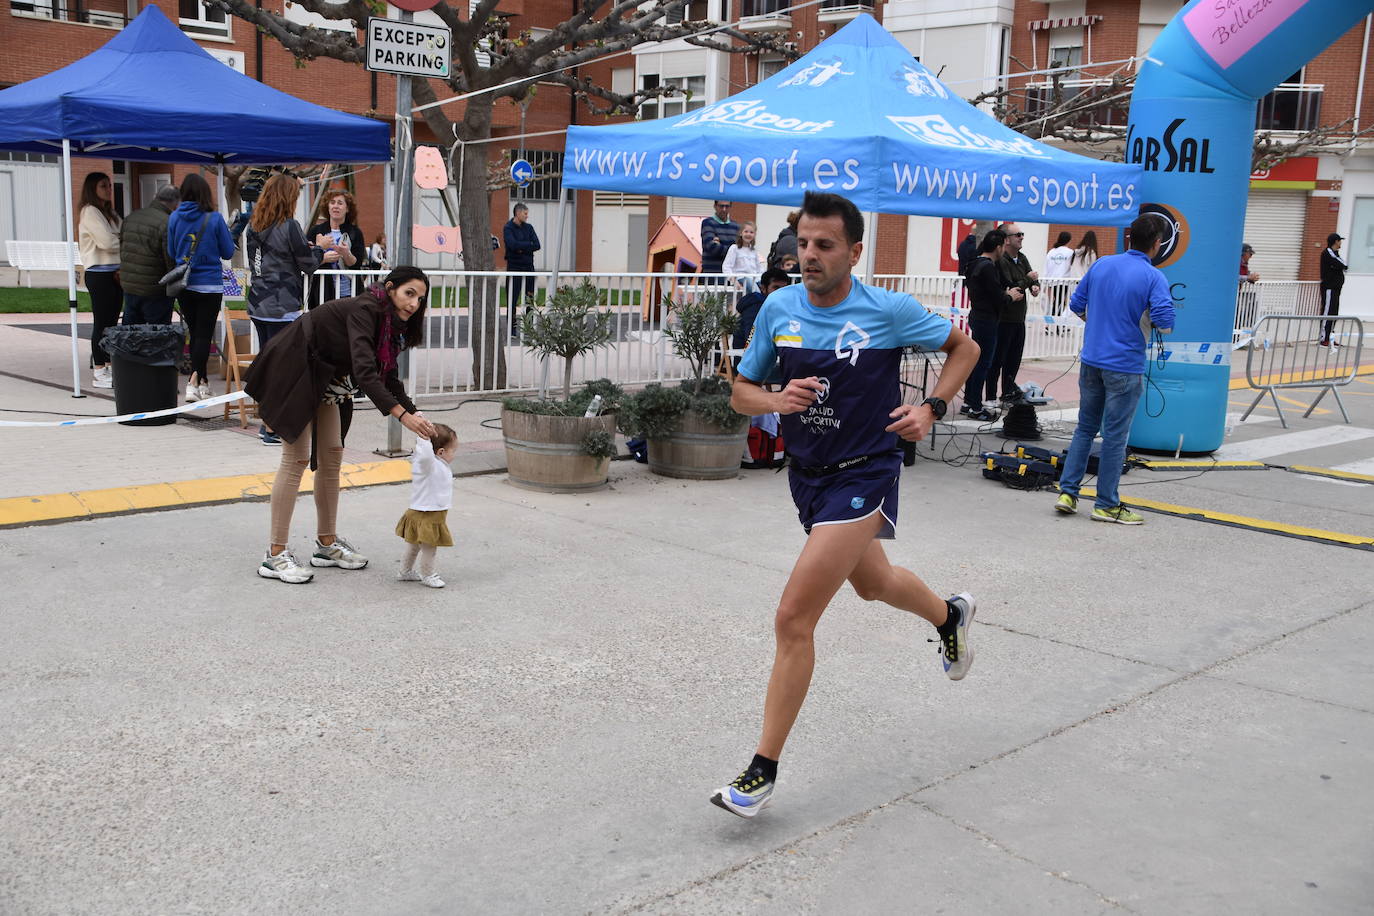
(973, 46)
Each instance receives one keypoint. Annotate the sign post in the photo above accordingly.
(405, 49)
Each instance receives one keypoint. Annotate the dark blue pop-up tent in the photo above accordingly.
(861, 117)
(152, 94)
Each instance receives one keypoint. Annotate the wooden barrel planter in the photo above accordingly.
(698, 450)
(545, 453)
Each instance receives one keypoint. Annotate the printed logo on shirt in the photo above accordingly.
(857, 502)
(787, 340)
(850, 341)
(794, 326)
(824, 392)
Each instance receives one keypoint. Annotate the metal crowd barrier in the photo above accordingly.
(1286, 353)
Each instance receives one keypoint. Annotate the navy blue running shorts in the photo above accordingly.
(850, 495)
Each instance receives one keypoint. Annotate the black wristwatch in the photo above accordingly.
(937, 406)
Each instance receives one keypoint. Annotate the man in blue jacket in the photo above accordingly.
(1120, 298)
(718, 233)
(521, 244)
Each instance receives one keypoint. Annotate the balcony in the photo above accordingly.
(1291, 106)
(841, 10)
(1044, 97)
(764, 16)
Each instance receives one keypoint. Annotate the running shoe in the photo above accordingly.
(340, 554)
(982, 415)
(746, 796)
(1067, 503)
(203, 391)
(101, 377)
(1119, 514)
(283, 566)
(268, 437)
(955, 653)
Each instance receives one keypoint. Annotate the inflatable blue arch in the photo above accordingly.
(1191, 129)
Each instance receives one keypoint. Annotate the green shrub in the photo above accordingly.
(597, 441)
(568, 324)
(656, 412)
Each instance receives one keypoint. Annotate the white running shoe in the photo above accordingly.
(203, 391)
(101, 377)
(192, 392)
(340, 554)
(746, 796)
(283, 566)
(433, 581)
(955, 653)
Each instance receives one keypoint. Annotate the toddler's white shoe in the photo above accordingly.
(407, 575)
(433, 581)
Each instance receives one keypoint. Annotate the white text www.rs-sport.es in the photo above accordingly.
(723, 172)
(998, 187)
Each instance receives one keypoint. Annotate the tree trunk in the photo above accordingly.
(474, 208)
(567, 378)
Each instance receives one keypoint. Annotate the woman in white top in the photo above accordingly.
(1057, 262)
(98, 239)
(743, 260)
(1084, 255)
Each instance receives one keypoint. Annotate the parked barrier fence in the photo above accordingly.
(1286, 354)
(469, 316)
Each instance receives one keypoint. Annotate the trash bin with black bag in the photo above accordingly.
(144, 360)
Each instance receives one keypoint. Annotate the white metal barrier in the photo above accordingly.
(469, 315)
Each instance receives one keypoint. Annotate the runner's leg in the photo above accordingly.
(875, 579)
(828, 559)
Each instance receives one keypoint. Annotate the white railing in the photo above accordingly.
(641, 353)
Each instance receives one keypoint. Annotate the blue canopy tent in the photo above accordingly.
(861, 117)
(152, 94)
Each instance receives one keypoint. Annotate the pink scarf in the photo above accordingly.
(389, 343)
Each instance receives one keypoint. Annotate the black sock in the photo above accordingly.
(952, 621)
(768, 768)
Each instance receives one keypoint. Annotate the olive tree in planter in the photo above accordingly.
(691, 428)
(550, 444)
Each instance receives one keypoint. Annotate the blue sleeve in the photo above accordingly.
(173, 236)
(224, 242)
(710, 245)
(1078, 304)
(534, 240)
(758, 360)
(917, 327)
(1161, 302)
(511, 244)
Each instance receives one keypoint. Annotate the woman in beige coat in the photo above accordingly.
(98, 239)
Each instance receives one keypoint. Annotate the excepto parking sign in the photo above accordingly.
(408, 49)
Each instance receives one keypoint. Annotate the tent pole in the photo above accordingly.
(219, 188)
(71, 262)
(872, 246)
(558, 236)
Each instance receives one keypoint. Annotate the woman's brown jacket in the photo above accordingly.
(288, 378)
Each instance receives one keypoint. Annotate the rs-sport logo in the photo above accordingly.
(850, 341)
(935, 129)
(753, 115)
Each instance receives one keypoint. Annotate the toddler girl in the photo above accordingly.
(424, 525)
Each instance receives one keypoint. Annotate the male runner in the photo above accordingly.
(840, 344)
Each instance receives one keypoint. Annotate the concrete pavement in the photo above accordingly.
(1175, 718)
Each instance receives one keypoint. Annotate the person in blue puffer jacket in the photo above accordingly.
(199, 302)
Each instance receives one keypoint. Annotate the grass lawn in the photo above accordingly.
(22, 300)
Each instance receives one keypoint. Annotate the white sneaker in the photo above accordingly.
(340, 553)
(101, 377)
(283, 566)
(192, 392)
(433, 581)
(407, 575)
(203, 391)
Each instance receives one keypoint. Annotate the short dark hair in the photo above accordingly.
(415, 327)
(443, 437)
(774, 275)
(519, 207)
(1145, 231)
(197, 190)
(994, 238)
(821, 205)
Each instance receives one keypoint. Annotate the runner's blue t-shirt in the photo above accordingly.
(855, 349)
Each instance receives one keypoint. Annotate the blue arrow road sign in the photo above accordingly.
(521, 172)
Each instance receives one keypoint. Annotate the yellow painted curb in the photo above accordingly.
(52, 507)
(1243, 521)
(1194, 464)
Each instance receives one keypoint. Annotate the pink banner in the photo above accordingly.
(1227, 29)
(437, 239)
